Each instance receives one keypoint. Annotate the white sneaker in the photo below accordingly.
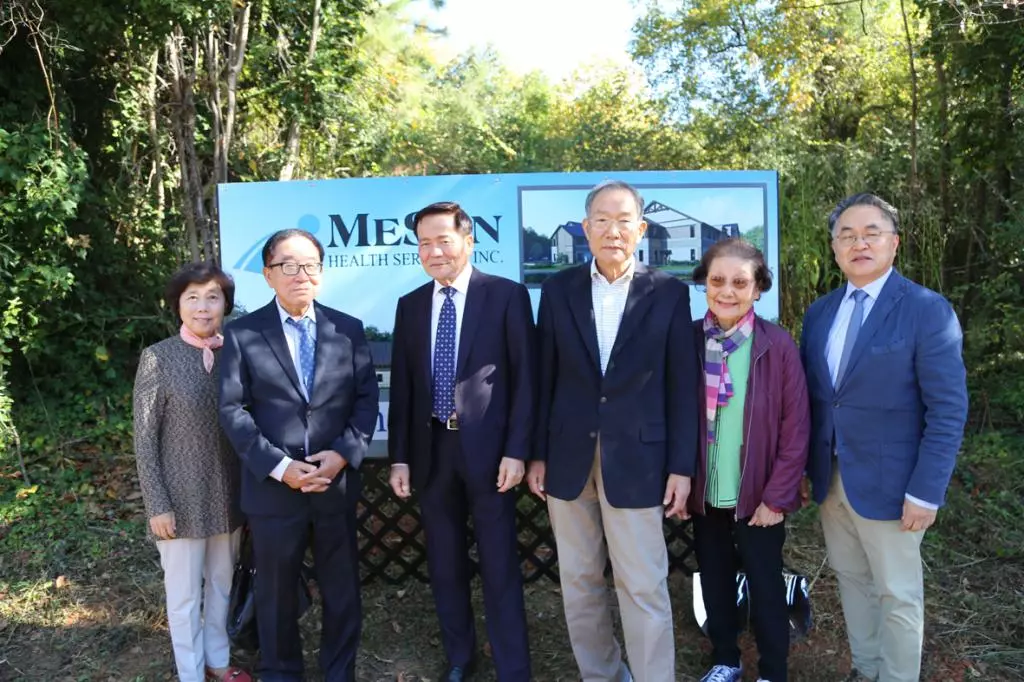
(723, 673)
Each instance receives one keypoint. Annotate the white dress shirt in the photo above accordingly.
(291, 338)
(837, 336)
(461, 286)
(609, 301)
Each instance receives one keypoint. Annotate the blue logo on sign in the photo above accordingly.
(252, 259)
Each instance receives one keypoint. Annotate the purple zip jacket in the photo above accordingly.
(777, 418)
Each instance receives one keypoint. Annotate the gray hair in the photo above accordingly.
(615, 184)
(864, 199)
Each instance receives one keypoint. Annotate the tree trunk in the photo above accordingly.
(945, 163)
(291, 147)
(913, 133)
(157, 171)
(183, 120)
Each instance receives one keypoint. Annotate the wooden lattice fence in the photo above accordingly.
(392, 547)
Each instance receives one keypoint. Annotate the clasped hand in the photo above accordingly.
(314, 474)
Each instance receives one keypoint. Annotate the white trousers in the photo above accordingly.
(589, 531)
(198, 617)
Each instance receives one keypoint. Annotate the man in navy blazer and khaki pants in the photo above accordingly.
(888, 404)
(299, 403)
(616, 439)
(460, 416)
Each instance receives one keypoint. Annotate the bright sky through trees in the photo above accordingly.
(554, 36)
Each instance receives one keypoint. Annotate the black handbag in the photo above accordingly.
(242, 615)
(798, 602)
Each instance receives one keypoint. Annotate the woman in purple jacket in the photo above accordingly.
(754, 442)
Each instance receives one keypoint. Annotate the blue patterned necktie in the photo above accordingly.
(307, 351)
(856, 320)
(444, 358)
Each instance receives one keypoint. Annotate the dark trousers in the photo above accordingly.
(446, 502)
(279, 545)
(723, 547)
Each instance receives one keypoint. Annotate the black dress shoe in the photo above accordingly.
(459, 673)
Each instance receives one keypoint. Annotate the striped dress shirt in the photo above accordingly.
(609, 301)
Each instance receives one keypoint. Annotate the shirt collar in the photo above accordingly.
(285, 315)
(626, 276)
(873, 289)
(461, 283)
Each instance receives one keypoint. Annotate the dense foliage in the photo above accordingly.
(118, 119)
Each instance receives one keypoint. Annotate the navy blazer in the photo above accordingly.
(644, 408)
(898, 414)
(266, 417)
(495, 378)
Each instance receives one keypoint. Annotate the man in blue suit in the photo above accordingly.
(616, 438)
(888, 402)
(460, 416)
(298, 401)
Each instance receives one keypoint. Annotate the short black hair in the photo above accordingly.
(737, 248)
(864, 199)
(199, 273)
(281, 235)
(463, 223)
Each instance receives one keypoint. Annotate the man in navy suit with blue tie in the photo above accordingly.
(459, 425)
(298, 401)
(888, 402)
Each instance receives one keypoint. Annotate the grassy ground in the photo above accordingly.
(81, 593)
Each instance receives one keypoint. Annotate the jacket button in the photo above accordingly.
(593, 434)
(836, 404)
(604, 399)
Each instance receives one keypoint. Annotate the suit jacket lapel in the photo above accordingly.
(422, 300)
(582, 304)
(637, 303)
(819, 344)
(476, 297)
(326, 348)
(890, 295)
(274, 334)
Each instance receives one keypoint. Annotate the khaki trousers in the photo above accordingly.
(589, 531)
(881, 586)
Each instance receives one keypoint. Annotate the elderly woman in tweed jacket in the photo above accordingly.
(189, 474)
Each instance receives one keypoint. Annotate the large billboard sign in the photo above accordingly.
(527, 227)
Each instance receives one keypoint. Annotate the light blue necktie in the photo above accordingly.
(307, 351)
(444, 358)
(856, 320)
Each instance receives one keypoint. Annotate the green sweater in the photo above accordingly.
(723, 487)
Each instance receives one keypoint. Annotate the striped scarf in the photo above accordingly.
(718, 345)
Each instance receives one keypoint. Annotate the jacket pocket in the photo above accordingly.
(652, 433)
(893, 347)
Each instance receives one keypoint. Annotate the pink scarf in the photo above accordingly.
(207, 344)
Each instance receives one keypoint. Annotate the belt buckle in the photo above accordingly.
(451, 423)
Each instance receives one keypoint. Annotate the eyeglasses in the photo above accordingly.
(605, 224)
(870, 238)
(291, 269)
